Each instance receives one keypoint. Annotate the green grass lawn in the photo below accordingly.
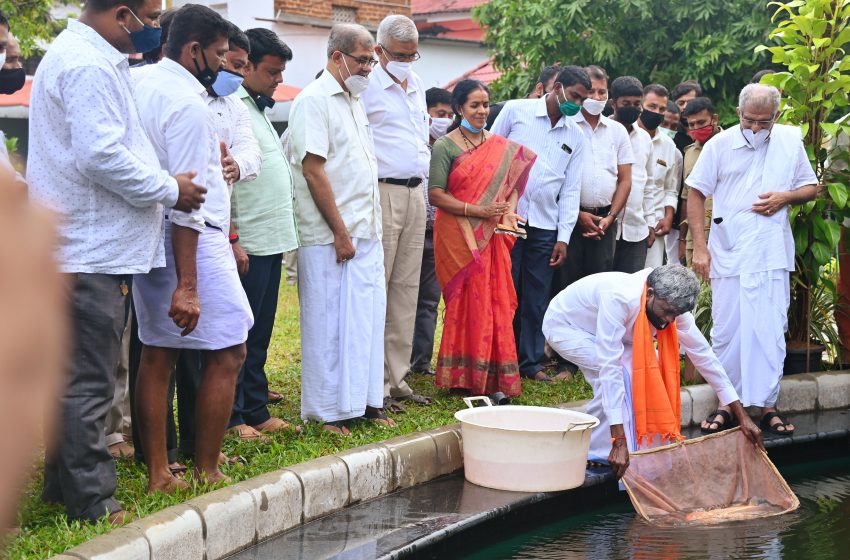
(47, 531)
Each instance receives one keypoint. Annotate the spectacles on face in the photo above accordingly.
(402, 57)
(363, 61)
(752, 122)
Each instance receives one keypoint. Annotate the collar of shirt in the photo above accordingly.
(112, 54)
(387, 81)
(178, 70)
(542, 111)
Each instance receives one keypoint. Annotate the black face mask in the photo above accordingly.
(263, 102)
(654, 319)
(205, 76)
(651, 120)
(627, 115)
(12, 80)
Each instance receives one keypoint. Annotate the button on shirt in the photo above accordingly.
(399, 121)
(607, 147)
(328, 122)
(640, 207)
(233, 126)
(551, 196)
(606, 305)
(177, 119)
(667, 174)
(90, 160)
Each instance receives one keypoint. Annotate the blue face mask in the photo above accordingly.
(468, 126)
(145, 39)
(226, 83)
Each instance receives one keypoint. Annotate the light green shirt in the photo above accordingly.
(262, 208)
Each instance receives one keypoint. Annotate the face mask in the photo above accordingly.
(145, 39)
(400, 70)
(594, 106)
(468, 126)
(702, 134)
(568, 108)
(263, 102)
(670, 133)
(651, 120)
(206, 76)
(355, 83)
(226, 83)
(756, 139)
(439, 126)
(627, 115)
(12, 80)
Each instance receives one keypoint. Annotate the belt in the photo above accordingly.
(409, 183)
(600, 211)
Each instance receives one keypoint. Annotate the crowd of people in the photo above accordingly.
(180, 205)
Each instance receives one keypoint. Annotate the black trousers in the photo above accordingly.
(585, 257)
(630, 256)
(426, 309)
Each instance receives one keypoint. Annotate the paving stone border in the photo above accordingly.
(223, 522)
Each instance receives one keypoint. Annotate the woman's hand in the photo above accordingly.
(491, 210)
(514, 220)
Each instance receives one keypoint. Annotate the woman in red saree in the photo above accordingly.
(475, 181)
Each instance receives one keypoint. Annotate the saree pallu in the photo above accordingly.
(478, 349)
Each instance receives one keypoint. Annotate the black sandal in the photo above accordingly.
(377, 415)
(728, 422)
(766, 426)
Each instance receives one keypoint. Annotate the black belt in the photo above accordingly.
(409, 183)
(601, 211)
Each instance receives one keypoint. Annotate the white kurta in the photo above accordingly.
(590, 324)
(751, 254)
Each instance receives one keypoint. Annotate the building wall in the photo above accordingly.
(367, 12)
(444, 61)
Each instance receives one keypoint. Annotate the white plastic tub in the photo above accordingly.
(524, 448)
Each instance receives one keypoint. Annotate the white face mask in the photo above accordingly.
(400, 70)
(439, 126)
(355, 83)
(756, 139)
(594, 106)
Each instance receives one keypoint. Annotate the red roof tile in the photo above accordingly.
(484, 72)
(458, 30)
(285, 92)
(422, 7)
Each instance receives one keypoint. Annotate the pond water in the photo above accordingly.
(819, 530)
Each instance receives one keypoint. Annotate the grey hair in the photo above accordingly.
(346, 37)
(676, 285)
(398, 27)
(759, 96)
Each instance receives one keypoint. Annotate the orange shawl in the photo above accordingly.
(655, 387)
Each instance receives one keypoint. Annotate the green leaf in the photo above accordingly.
(821, 252)
(838, 193)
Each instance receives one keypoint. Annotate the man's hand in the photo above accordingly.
(241, 258)
(589, 225)
(701, 262)
(770, 203)
(514, 220)
(344, 248)
(748, 427)
(651, 238)
(191, 195)
(664, 226)
(229, 167)
(619, 458)
(185, 308)
(605, 223)
(559, 255)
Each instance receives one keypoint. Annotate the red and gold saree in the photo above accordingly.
(478, 351)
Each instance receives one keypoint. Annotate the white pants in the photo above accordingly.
(671, 246)
(655, 254)
(750, 315)
(343, 309)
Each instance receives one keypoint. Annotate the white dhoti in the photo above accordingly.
(671, 246)
(655, 254)
(343, 310)
(225, 313)
(750, 316)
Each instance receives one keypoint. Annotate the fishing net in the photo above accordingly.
(713, 479)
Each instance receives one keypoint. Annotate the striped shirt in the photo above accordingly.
(551, 197)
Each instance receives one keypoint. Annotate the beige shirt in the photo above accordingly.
(328, 122)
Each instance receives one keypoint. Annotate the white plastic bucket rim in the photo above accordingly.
(586, 421)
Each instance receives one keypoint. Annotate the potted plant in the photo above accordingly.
(811, 38)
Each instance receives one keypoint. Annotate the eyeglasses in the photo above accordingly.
(363, 61)
(751, 122)
(402, 57)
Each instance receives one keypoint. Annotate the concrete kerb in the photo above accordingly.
(230, 520)
(127, 543)
(175, 533)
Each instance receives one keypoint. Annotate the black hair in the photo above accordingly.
(697, 105)
(572, 75)
(266, 42)
(657, 89)
(155, 55)
(435, 96)
(595, 72)
(625, 86)
(761, 74)
(460, 94)
(495, 109)
(685, 88)
(672, 107)
(194, 22)
(319, 73)
(548, 73)
(104, 5)
(237, 38)
(4, 21)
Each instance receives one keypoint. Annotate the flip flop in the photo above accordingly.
(542, 377)
(275, 397)
(418, 399)
(393, 406)
(766, 426)
(337, 427)
(377, 415)
(177, 469)
(728, 422)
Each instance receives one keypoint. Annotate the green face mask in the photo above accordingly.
(569, 108)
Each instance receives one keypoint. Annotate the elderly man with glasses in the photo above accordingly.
(398, 116)
(754, 172)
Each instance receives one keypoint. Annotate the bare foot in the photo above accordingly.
(168, 485)
(563, 376)
(274, 425)
(119, 518)
(246, 432)
(121, 450)
(341, 430)
(210, 478)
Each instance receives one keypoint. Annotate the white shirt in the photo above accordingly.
(399, 121)
(607, 147)
(233, 126)
(734, 174)
(666, 174)
(640, 206)
(606, 305)
(328, 122)
(175, 114)
(90, 160)
(551, 196)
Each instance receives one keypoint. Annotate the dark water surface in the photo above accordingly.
(819, 530)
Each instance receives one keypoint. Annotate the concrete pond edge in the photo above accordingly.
(223, 522)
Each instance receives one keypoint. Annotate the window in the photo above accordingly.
(343, 14)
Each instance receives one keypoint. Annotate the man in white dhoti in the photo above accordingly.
(753, 172)
(341, 281)
(196, 302)
(606, 324)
